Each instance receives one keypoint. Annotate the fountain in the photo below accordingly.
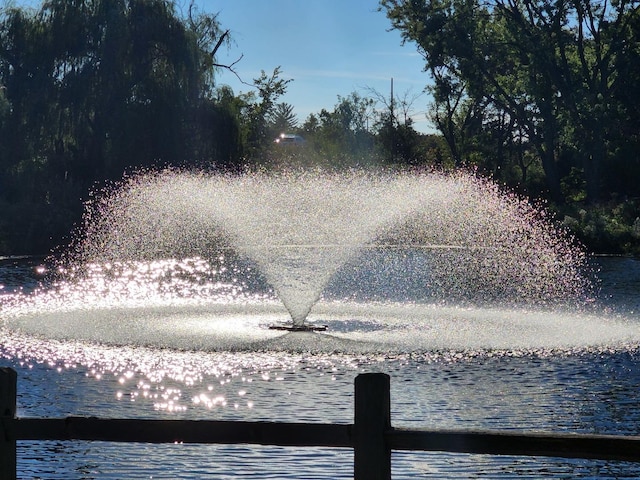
(390, 261)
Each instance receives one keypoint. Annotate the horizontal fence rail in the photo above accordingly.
(371, 436)
(180, 431)
(569, 445)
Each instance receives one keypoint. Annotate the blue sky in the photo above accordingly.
(328, 48)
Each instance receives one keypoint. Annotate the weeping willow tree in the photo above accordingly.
(92, 88)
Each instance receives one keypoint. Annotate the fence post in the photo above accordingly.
(372, 456)
(8, 392)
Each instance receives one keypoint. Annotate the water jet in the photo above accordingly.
(388, 261)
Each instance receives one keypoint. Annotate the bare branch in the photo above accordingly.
(220, 40)
(232, 70)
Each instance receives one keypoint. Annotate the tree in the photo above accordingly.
(217, 132)
(550, 70)
(311, 125)
(93, 88)
(259, 111)
(283, 119)
(120, 78)
(345, 131)
(396, 138)
(342, 137)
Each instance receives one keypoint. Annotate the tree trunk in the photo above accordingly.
(552, 176)
(593, 161)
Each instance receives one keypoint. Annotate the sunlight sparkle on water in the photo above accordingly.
(396, 265)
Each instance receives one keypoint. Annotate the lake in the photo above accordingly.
(567, 387)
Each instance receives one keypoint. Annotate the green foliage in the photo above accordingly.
(93, 88)
(514, 80)
(355, 133)
(543, 97)
(341, 137)
(612, 227)
(283, 119)
(257, 113)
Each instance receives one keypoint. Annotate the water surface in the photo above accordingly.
(591, 389)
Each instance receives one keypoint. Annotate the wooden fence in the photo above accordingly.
(371, 435)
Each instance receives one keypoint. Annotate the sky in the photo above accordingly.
(328, 48)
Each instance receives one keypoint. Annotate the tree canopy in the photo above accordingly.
(92, 88)
(519, 80)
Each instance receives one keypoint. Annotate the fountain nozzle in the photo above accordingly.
(299, 328)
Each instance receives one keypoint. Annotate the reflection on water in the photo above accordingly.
(620, 283)
(386, 304)
(593, 393)
(20, 274)
(590, 390)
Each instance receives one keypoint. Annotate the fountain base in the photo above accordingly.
(299, 328)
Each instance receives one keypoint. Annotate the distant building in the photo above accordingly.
(289, 139)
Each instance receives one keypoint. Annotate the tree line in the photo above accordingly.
(93, 89)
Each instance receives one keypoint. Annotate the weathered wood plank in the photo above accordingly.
(184, 431)
(603, 447)
(8, 395)
(372, 455)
